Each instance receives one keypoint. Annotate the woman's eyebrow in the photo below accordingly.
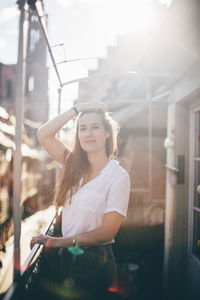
(95, 123)
(82, 125)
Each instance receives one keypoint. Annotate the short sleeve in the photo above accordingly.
(118, 196)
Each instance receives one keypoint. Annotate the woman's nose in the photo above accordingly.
(88, 132)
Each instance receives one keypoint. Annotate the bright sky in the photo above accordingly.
(86, 27)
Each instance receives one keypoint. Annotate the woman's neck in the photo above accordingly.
(97, 161)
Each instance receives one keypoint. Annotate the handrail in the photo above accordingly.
(14, 287)
(36, 247)
(10, 291)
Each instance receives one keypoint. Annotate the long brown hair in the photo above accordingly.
(76, 161)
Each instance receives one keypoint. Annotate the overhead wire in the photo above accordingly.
(43, 22)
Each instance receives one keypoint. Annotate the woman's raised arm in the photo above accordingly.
(47, 135)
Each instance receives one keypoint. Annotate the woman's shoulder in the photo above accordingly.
(119, 171)
(119, 180)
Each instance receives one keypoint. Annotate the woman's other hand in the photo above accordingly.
(90, 105)
(40, 239)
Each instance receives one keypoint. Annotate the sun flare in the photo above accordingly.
(129, 15)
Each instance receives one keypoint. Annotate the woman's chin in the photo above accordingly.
(90, 149)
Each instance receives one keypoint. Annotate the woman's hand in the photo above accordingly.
(40, 239)
(90, 105)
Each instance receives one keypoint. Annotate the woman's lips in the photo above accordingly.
(90, 141)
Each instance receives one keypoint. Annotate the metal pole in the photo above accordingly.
(17, 162)
(149, 101)
(59, 99)
(58, 134)
(59, 105)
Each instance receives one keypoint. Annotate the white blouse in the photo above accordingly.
(109, 191)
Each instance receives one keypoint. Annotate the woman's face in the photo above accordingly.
(91, 132)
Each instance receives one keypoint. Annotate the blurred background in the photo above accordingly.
(141, 58)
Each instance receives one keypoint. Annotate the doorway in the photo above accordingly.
(193, 274)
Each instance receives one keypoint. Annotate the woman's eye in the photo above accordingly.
(93, 127)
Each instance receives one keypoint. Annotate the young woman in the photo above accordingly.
(93, 190)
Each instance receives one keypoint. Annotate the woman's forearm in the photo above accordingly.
(50, 128)
(91, 238)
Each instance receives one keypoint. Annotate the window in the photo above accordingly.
(34, 39)
(31, 84)
(195, 182)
